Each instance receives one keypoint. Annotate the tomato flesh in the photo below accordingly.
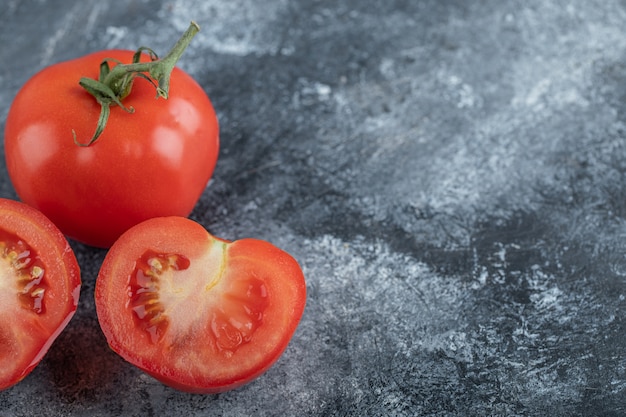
(198, 313)
(39, 288)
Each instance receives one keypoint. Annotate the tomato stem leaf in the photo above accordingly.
(115, 84)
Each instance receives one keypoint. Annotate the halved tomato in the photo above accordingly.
(39, 288)
(198, 313)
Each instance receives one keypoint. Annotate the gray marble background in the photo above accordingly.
(451, 175)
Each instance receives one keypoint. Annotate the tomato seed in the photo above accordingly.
(28, 270)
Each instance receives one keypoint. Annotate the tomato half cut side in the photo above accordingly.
(39, 288)
(196, 312)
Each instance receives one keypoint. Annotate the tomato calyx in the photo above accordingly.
(115, 84)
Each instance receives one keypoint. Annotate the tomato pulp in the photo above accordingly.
(155, 161)
(198, 313)
(39, 288)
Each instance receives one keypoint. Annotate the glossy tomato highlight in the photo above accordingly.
(198, 313)
(153, 158)
(39, 288)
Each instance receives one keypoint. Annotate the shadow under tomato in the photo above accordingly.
(80, 367)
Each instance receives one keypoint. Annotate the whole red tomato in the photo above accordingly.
(153, 158)
(198, 313)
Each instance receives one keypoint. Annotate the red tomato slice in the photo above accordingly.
(198, 313)
(39, 288)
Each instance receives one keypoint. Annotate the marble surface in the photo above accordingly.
(451, 175)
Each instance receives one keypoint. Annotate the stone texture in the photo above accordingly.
(451, 175)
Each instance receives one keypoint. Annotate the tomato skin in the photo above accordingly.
(153, 162)
(191, 355)
(26, 332)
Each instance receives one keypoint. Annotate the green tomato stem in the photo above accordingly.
(113, 85)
